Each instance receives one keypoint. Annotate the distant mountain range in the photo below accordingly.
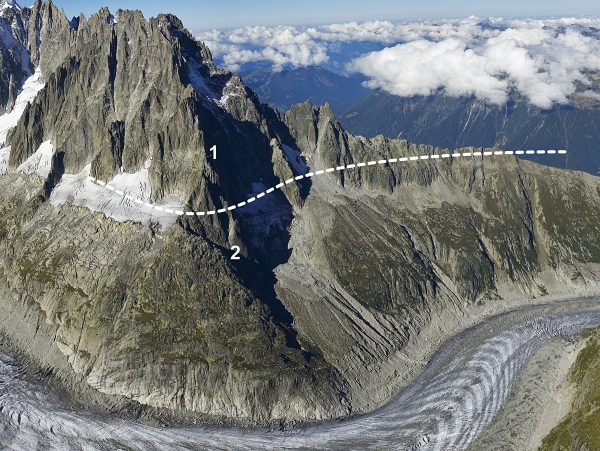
(442, 120)
(457, 122)
(318, 85)
(341, 280)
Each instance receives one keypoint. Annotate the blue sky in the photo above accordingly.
(207, 14)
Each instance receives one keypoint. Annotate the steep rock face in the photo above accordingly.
(336, 275)
(132, 91)
(578, 429)
(15, 63)
(325, 143)
(50, 35)
(128, 92)
(39, 36)
(384, 250)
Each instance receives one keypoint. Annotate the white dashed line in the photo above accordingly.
(324, 171)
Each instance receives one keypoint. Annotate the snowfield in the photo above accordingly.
(31, 87)
(77, 189)
(40, 162)
(4, 154)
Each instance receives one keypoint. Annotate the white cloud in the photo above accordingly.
(281, 46)
(424, 67)
(543, 60)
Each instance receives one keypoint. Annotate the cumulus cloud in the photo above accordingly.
(542, 61)
(281, 46)
(424, 67)
(545, 61)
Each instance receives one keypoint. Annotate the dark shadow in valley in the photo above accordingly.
(245, 167)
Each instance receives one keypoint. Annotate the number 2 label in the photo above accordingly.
(236, 253)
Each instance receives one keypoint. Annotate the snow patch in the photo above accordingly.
(31, 87)
(78, 190)
(223, 100)
(295, 159)
(265, 215)
(225, 97)
(4, 155)
(200, 85)
(40, 162)
(9, 4)
(208, 92)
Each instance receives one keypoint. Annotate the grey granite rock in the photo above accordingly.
(337, 274)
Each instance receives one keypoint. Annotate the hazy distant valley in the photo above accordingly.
(441, 120)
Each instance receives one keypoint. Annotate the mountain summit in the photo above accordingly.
(338, 276)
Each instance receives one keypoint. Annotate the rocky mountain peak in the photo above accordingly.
(126, 94)
(15, 63)
(11, 15)
(9, 4)
(337, 273)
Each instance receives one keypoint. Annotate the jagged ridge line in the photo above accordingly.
(322, 171)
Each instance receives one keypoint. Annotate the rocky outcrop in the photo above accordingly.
(131, 91)
(577, 430)
(336, 276)
(384, 250)
(163, 320)
(39, 36)
(15, 63)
